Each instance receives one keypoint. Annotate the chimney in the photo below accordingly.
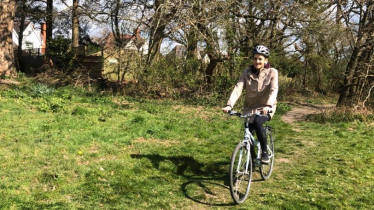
(44, 37)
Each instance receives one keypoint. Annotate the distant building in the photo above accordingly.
(33, 38)
(122, 54)
(180, 52)
(131, 42)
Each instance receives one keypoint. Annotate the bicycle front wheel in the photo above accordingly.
(267, 169)
(240, 173)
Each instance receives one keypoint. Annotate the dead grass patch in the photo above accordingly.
(9, 82)
(198, 111)
(282, 160)
(94, 149)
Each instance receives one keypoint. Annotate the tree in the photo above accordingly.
(7, 63)
(318, 39)
(49, 21)
(164, 11)
(22, 13)
(358, 77)
(75, 26)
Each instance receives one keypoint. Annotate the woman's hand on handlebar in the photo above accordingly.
(226, 109)
(266, 110)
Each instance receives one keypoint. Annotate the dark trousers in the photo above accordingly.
(260, 131)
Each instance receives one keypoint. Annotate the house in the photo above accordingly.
(33, 38)
(131, 42)
(180, 52)
(122, 55)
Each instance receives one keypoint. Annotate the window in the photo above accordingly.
(29, 45)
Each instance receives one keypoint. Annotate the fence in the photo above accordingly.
(30, 59)
(33, 59)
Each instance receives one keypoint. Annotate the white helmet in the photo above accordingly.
(262, 50)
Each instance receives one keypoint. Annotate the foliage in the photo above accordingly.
(93, 48)
(52, 104)
(40, 90)
(121, 65)
(285, 86)
(283, 108)
(60, 52)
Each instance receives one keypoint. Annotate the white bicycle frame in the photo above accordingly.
(249, 140)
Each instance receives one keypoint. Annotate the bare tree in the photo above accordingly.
(359, 72)
(163, 12)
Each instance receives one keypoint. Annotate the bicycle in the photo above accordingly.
(242, 165)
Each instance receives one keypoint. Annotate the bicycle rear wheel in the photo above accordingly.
(267, 169)
(240, 173)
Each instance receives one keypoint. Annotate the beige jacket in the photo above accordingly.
(261, 90)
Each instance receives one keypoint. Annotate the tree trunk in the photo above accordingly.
(192, 44)
(155, 42)
(351, 67)
(115, 25)
(75, 27)
(20, 35)
(7, 63)
(49, 22)
(210, 70)
(305, 73)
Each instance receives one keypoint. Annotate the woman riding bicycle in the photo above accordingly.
(261, 86)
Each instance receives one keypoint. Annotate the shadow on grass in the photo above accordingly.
(203, 185)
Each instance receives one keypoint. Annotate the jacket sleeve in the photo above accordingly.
(235, 94)
(273, 88)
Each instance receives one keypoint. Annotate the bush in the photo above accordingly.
(59, 51)
(40, 90)
(284, 86)
(53, 105)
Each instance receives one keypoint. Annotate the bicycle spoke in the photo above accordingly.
(240, 173)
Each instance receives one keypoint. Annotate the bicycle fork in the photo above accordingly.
(245, 169)
(258, 158)
(248, 148)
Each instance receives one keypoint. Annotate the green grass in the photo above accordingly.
(72, 149)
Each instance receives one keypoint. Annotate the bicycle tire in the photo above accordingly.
(240, 181)
(267, 169)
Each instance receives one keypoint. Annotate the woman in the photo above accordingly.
(261, 86)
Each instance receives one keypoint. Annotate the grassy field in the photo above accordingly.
(71, 149)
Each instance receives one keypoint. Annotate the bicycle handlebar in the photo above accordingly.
(232, 112)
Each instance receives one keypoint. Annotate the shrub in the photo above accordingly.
(59, 51)
(40, 90)
(284, 86)
(53, 105)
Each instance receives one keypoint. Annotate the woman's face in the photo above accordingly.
(259, 61)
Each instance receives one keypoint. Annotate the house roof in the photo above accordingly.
(17, 26)
(111, 39)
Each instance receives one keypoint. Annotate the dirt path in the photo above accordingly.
(300, 113)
